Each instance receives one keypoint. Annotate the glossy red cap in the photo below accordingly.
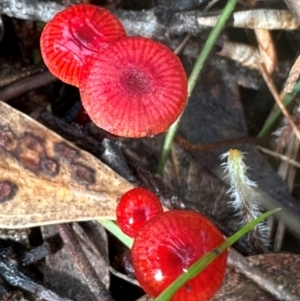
(136, 207)
(136, 88)
(74, 35)
(168, 245)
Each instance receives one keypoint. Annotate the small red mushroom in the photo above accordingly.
(74, 35)
(168, 245)
(136, 88)
(135, 208)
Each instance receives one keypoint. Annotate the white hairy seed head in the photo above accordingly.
(244, 195)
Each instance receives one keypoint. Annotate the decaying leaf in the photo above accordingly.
(266, 48)
(246, 55)
(45, 179)
(283, 268)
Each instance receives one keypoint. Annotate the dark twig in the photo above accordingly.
(78, 256)
(26, 85)
(18, 75)
(11, 274)
(36, 254)
(124, 277)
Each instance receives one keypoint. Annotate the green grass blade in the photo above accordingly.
(276, 114)
(114, 229)
(194, 76)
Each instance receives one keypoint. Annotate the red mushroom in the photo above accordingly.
(168, 245)
(74, 35)
(135, 208)
(136, 88)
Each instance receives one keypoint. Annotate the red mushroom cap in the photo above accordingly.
(170, 243)
(135, 208)
(75, 34)
(136, 88)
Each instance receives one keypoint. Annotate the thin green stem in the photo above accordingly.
(194, 76)
(276, 113)
(113, 228)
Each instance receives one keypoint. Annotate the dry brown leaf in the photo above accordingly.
(293, 76)
(45, 179)
(271, 19)
(246, 55)
(266, 48)
(284, 268)
(250, 56)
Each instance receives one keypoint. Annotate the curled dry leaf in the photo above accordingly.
(293, 76)
(45, 179)
(246, 55)
(271, 19)
(266, 48)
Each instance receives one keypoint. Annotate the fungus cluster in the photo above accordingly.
(166, 245)
(129, 86)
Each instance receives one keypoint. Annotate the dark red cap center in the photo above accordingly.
(135, 81)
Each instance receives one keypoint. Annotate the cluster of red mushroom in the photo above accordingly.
(129, 86)
(167, 243)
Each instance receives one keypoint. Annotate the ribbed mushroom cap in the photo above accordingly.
(75, 34)
(136, 88)
(168, 245)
